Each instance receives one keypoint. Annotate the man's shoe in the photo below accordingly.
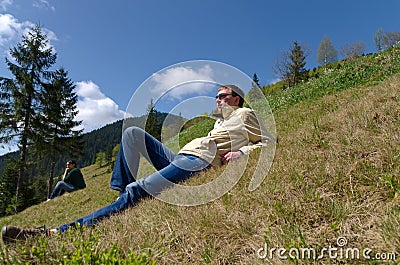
(13, 233)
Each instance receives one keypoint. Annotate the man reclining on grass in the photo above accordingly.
(228, 141)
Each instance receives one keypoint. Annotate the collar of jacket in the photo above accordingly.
(227, 111)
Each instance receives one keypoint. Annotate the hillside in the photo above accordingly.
(333, 184)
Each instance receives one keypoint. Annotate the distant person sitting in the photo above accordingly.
(72, 181)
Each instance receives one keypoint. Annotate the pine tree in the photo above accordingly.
(254, 93)
(255, 83)
(326, 52)
(153, 125)
(297, 64)
(7, 186)
(290, 67)
(32, 59)
(57, 113)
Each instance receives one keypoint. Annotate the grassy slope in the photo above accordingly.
(335, 173)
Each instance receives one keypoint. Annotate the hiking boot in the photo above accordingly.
(13, 233)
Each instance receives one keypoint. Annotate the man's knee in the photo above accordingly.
(59, 183)
(131, 133)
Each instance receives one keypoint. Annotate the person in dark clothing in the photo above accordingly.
(72, 181)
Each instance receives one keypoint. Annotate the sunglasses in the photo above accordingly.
(222, 96)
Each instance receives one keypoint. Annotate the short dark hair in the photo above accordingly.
(72, 162)
(236, 91)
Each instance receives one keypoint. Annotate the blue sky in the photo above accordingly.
(110, 48)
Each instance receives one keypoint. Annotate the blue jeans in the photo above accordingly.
(60, 188)
(171, 168)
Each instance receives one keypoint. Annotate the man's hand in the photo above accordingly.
(66, 172)
(225, 158)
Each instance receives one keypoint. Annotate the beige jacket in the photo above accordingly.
(234, 131)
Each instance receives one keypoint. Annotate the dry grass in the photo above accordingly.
(335, 173)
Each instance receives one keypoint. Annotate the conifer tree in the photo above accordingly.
(7, 186)
(153, 124)
(253, 94)
(296, 64)
(57, 113)
(290, 67)
(255, 83)
(30, 64)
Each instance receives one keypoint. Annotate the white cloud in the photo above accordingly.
(183, 80)
(11, 32)
(43, 4)
(4, 4)
(95, 109)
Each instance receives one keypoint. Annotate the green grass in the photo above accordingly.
(193, 131)
(335, 174)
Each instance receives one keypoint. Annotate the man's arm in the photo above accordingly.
(256, 132)
(257, 135)
(65, 174)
